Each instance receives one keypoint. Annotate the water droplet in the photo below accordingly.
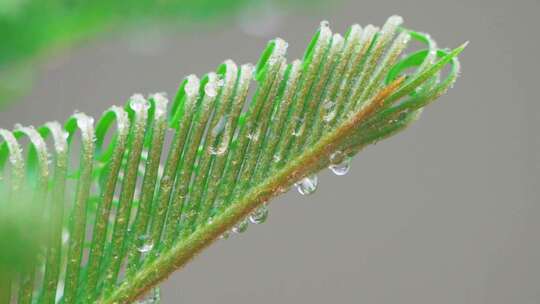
(298, 132)
(138, 103)
(325, 23)
(210, 89)
(161, 101)
(152, 297)
(339, 163)
(276, 158)
(260, 214)
(307, 185)
(192, 85)
(145, 244)
(341, 168)
(336, 157)
(242, 226)
(220, 126)
(218, 149)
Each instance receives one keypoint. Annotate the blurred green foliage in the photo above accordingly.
(32, 28)
(22, 235)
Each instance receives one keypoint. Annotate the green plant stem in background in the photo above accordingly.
(229, 155)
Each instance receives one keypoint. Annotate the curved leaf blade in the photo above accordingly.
(131, 217)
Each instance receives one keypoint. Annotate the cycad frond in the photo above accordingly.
(144, 215)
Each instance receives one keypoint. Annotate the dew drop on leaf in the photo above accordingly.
(145, 244)
(218, 149)
(298, 132)
(242, 226)
(307, 185)
(138, 103)
(325, 23)
(260, 214)
(210, 89)
(342, 168)
(192, 85)
(220, 126)
(339, 163)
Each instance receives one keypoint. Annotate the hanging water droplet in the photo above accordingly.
(242, 226)
(307, 185)
(260, 214)
(152, 297)
(339, 163)
(145, 244)
(336, 157)
(341, 168)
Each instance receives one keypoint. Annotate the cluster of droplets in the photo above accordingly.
(339, 165)
(258, 216)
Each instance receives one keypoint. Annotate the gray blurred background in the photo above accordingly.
(446, 212)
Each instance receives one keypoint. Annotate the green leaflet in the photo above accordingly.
(145, 208)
